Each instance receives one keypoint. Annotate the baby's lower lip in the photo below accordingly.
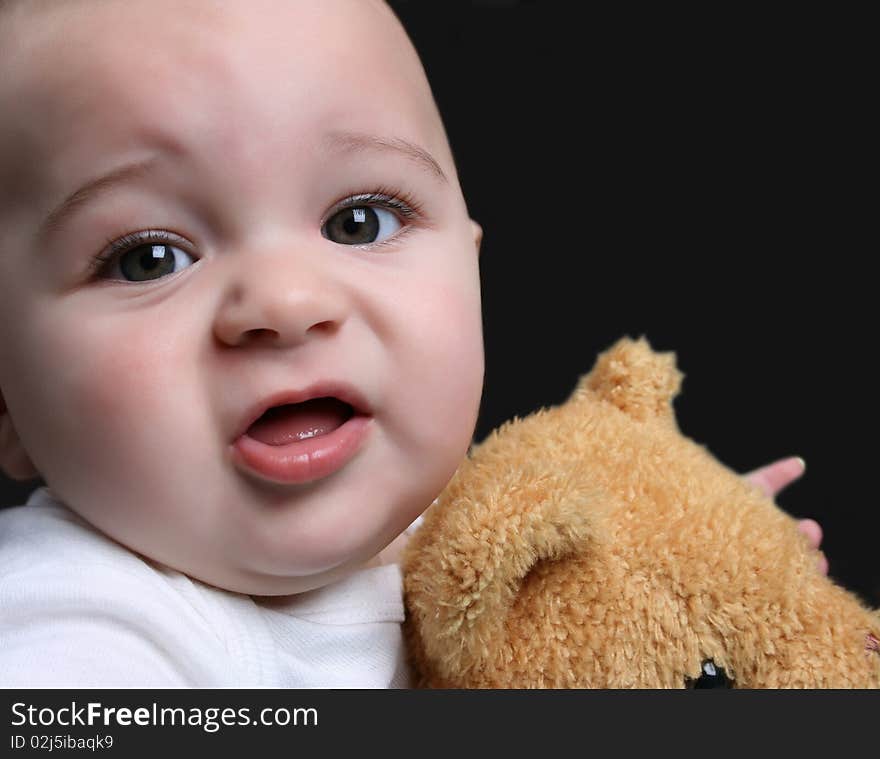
(304, 460)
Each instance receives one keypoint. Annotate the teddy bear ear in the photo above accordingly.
(631, 376)
(464, 567)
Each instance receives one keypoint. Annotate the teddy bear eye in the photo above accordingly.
(712, 677)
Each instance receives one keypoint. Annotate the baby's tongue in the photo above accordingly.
(286, 424)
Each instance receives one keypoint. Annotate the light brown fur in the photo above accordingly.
(593, 545)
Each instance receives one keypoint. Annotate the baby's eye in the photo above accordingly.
(360, 225)
(136, 261)
(151, 262)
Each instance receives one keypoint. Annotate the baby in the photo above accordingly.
(232, 436)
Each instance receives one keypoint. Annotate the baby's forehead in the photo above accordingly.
(52, 41)
(79, 69)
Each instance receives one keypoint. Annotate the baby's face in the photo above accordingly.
(295, 228)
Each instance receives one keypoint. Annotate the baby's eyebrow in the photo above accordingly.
(348, 142)
(92, 189)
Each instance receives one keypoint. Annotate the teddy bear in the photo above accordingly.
(593, 545)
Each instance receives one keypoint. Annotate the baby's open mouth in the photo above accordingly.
(290, 422)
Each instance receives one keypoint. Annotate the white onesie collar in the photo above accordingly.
(368, 595)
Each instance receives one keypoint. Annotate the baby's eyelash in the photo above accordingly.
(402, 202)
(127, 242)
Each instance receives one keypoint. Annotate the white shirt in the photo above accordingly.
(79, 610)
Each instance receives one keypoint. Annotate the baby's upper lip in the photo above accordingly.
(341, 390)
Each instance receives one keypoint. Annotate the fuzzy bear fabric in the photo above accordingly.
(592, 545)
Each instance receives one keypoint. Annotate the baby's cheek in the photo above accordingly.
(120, 376)
(111, 395)
(444, 363)
(120, 419)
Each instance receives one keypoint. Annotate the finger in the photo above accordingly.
(813, 531)
(774, 477)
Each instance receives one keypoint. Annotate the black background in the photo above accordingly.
(698, 179)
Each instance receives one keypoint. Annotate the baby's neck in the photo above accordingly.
(390, 554)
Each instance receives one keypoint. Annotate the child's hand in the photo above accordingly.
(773, 478)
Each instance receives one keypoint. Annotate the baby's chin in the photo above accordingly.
(256, 583)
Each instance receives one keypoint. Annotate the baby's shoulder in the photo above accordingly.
(52, 558)
(49, 550)
(81, 609)
(43, 540)
(43, 534)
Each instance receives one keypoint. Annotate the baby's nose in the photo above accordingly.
(279, 301)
